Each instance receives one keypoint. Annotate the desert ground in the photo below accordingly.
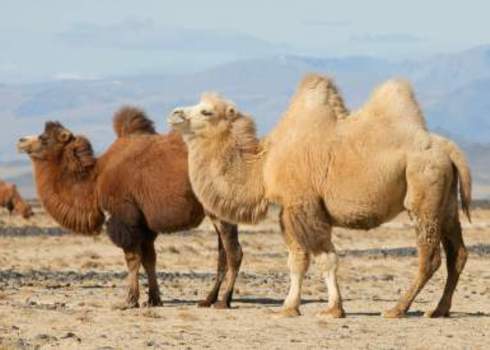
(58, 291)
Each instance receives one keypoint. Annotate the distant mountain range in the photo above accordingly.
(453, 89)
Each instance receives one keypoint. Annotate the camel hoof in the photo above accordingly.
(204, 303)
(332, 312)
(287, 313)
(221, 305)
(436, 313)
(393, 313)
(125, 306)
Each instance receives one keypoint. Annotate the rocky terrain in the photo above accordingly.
(58, 291)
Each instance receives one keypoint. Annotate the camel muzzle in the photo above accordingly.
(24, 144)
(177, 118)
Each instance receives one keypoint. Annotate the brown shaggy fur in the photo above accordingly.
(326, 168)
(132, 121)
(138, 187)
(11, 199)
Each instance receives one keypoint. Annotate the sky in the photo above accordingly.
(88, 39)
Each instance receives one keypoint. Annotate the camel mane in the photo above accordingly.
(129, 120)
(244, 135)
(78, 157)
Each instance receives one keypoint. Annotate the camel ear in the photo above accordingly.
(64, 136)
(231, 112)
(79, 156)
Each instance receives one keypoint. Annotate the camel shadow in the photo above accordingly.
(419, 314)
(272, 301)
(369, 314)
(179, 302)
(278, 302)
(257, 301)
(470, 314)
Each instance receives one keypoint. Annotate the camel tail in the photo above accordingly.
(464, 174)
(132, 121)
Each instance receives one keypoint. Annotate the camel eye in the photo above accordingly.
(206, 113)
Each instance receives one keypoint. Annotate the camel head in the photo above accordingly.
(48, 145)
(58, 144)
(212, 116)
(23, 209)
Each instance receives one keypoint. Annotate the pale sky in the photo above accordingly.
(50, 39)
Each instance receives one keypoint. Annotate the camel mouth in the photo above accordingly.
(176, 119)
(22, 149)
(25, 144)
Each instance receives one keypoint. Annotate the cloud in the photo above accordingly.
(75, 76)
(325, 23)
(386, 38)
(144, 34)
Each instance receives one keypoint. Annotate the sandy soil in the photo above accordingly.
(58, 291)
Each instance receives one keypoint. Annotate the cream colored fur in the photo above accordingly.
(327, 168)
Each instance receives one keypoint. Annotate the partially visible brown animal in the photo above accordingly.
(139, 187)
(328, 168)
(11, 199)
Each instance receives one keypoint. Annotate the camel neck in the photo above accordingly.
(70, 200)
(226, 175)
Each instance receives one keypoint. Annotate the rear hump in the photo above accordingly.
(130, 120)
(395, 99)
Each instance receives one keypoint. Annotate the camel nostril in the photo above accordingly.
(22, 139)
(178, 113)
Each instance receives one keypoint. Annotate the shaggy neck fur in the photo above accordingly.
(226, 172)
(69, 196)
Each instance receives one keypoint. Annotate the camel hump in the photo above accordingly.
(395, 98)
(129, 120)
(319, 92)
(312, 81)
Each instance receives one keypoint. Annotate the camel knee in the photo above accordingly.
(298, 261)
(328, 261)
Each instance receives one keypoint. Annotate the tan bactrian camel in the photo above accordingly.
(328, 168)
(140, 183)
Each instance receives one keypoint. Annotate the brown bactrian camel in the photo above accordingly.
(139, 187)
(11, 199)
(326, 167)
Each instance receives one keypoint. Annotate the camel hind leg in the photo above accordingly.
(427, 189)
(456, 255)
(148, 259)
